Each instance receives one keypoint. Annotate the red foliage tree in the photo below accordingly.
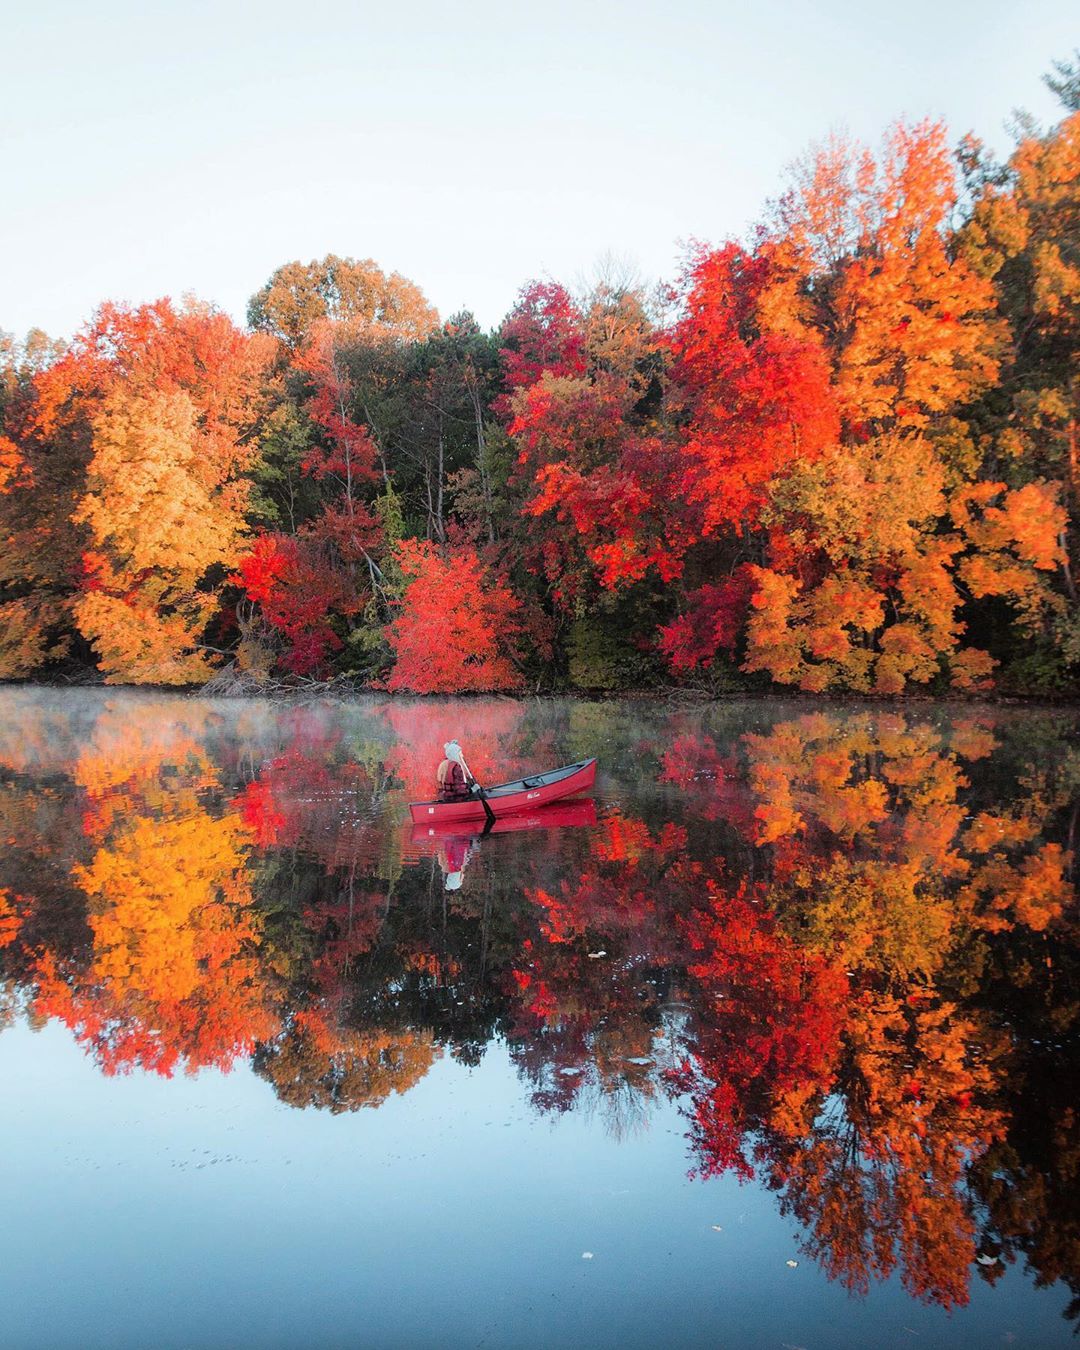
(456, 630)
(754, 381)
(298, 591)
(544, 332)
(713, 619)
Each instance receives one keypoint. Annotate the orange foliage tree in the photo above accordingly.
(165, 492)
(298, 296)
(912, 327)
(151, 417)
(871, 560)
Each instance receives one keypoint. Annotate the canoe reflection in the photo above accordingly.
(454, 844)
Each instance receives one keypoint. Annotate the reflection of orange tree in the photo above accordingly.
(865, 1106)
(314, 1063)
(144, 760)
(877, 857)
(176, 942)
(879, 1177)
(173, 973)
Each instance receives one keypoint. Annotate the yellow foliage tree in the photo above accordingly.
(864, 588)
(157, 527)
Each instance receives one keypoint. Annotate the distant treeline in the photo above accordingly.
(840, 456)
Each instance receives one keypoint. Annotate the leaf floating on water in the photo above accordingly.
(716, 1228)
(985, 1260)
(586, 1256)
(595, 956)
(792, 1264)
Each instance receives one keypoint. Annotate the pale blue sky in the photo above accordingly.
(157, 149)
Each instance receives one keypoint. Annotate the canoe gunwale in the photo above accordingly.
(535, 781)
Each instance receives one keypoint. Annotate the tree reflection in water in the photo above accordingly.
(845, 941)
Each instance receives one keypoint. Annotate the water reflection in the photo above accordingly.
(846, 942)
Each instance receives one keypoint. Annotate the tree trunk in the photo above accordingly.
(439, 529)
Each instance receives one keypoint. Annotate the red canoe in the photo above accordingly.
(524, 794)
(555, 817)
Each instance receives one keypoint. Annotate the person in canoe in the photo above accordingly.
(453, 776)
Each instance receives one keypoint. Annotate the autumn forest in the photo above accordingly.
(839, 456)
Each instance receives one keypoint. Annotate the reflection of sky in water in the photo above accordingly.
(200, 1212)
(525, 1110)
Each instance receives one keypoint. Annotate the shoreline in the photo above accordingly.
(343, 691)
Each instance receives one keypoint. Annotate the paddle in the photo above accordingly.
(479, 792)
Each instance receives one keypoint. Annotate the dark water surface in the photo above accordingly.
(775, 1044)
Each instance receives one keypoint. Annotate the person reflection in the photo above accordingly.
(454, 854)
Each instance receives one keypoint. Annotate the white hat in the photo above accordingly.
(453, 751)
(453, 881)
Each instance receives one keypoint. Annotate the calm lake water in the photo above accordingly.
(773, 1043)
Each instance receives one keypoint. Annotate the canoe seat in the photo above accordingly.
(533, 782)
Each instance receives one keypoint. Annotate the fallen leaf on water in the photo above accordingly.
(586, 1256)
(716, 1228)
(792, 1264)
(595, 956)
(985, 1260)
